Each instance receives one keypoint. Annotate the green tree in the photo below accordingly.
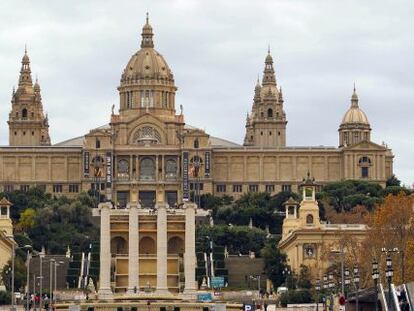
(275, 262)
(238, 239)
(19, 273)
(304, 278)
(27, 220)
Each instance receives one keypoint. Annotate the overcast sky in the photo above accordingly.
(216, 49)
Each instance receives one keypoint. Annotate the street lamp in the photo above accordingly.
(53, 298)
(347, 280)
(286, 273)
(389, 272)
(331, 283)
(375, 277)
(12, 281)
(356, 282)
(318, 289)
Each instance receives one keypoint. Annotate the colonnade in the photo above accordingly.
(190, 285)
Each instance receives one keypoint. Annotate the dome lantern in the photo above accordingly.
(147, 35)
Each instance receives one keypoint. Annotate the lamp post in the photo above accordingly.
(51, 263)
(331, 283)
(286, 273)
(375, 277)
(53, 300)
(356, 282)
(325, 287)
(318, 288)
(389, 273)
(13, 300)
(347, 281)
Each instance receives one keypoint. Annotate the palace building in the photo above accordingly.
(148, 148)
(308, 241)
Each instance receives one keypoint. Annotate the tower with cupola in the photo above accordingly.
(28, 125)
(266, 123)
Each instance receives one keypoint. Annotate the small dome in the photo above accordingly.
(354, 114)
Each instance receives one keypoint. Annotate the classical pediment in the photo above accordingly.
(365, 145)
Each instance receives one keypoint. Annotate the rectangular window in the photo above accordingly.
(237, 188)
(221, 188)
(253, 188)
(287, 188)
(57, 188)
(270, 188)
(74, 188)
(24, 188)
(8, 188)
(193, 186)
(364, 172)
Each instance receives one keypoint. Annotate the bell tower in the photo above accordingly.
(266, 124)
(28, 126)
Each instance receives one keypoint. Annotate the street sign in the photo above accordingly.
(204, 297)
(248, 307)
(217, 282)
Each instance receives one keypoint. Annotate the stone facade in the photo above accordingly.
(149, 150)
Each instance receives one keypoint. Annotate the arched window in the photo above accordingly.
(147, 135)
(24, 113)
(119, 246)
(147, 169)
(269, 113)
(309, 219)
(196, 143)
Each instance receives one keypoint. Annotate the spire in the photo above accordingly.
(268, 72)
(354, 99)
(147, 35)
(25, 73)
(280, 95)
(257, 90)
(36, 86)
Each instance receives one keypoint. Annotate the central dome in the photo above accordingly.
(147, 63)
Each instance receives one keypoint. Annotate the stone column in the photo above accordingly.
(133, 250)
(190, 252)
(162, 287)
(105, 291)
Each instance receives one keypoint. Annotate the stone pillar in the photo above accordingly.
(133, 250)
(162, 287)
(105, 291)
(190, 252)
